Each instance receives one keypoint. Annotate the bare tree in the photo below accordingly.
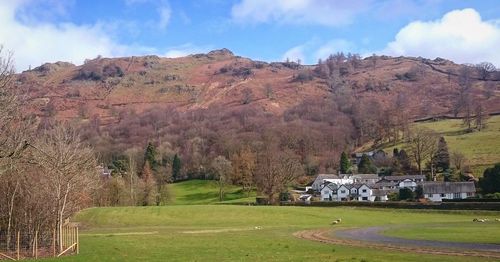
(276, 169)
(420, 145)
(458, 160)
(484, 70)
(222, 169)
(15, 129)
(243, 169)
(480, 116)
(70, 172)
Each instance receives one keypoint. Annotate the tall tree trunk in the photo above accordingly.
(11, 210)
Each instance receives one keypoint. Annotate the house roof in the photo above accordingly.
(448, 187)
(383, 183)
(355, 185)
(382, 192)
(320, 177)
(366, 176)
(401, 178)
(331, 186)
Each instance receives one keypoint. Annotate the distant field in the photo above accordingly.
(245, 233)
(481, 148)
(197, 192)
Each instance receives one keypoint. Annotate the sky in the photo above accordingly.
(39, 31)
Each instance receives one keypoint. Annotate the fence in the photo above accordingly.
(37, 244)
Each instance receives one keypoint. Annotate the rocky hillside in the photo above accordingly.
(105, 86)
(205, 105)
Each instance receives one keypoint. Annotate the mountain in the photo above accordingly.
(119, 101)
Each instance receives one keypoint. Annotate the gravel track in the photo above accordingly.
(371, 238)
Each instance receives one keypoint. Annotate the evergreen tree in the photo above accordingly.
(442, 156)
(406, 194)
(176, 167)
(366, 166)
(150, 156)
(490, 182)
(345, 164)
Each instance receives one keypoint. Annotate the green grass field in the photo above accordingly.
(481, 148)
(198, 192)
(229, 233)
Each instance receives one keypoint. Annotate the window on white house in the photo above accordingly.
(443, 195)
(364, 190)
(342, 191)
(365, 198)
(457, 195)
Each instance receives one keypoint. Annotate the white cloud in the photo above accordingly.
(294, 54)
(37, 43)
(322, 12)
(460, 35)
(185, 50)
(165, 13)
(315, 49)
(332, 47)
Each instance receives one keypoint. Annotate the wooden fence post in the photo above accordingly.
(77, 242)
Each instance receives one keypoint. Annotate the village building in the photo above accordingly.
(437, 191)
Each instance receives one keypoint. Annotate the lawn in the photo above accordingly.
(488, 232)
(199, 192)
(242, 233)
(481, 148)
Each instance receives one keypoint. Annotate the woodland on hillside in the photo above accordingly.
(242, 144)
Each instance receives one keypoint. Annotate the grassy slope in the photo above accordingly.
(197, 192)
(234, 237)
(482, 149)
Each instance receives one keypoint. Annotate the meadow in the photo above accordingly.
(200, 192)
(481, 148)
(252, 233)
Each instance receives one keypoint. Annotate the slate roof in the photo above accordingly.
(448, 187)
(401, 178)
(331, 186)
(366, 176)
(382, 183)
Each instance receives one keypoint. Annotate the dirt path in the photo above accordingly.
(365, 238)
(373, 234)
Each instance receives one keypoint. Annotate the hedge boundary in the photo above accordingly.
(495, 206)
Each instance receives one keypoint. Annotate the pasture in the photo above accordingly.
(481, 148)
(257, 233)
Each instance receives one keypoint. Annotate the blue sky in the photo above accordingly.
(40, 31)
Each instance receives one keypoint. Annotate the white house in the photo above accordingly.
(329, 192)
(408, 183)
(381, 194)
(397, 179)
(323, 179)
(365, 193)
(319, 181)
(437, 191)
(343, 192)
